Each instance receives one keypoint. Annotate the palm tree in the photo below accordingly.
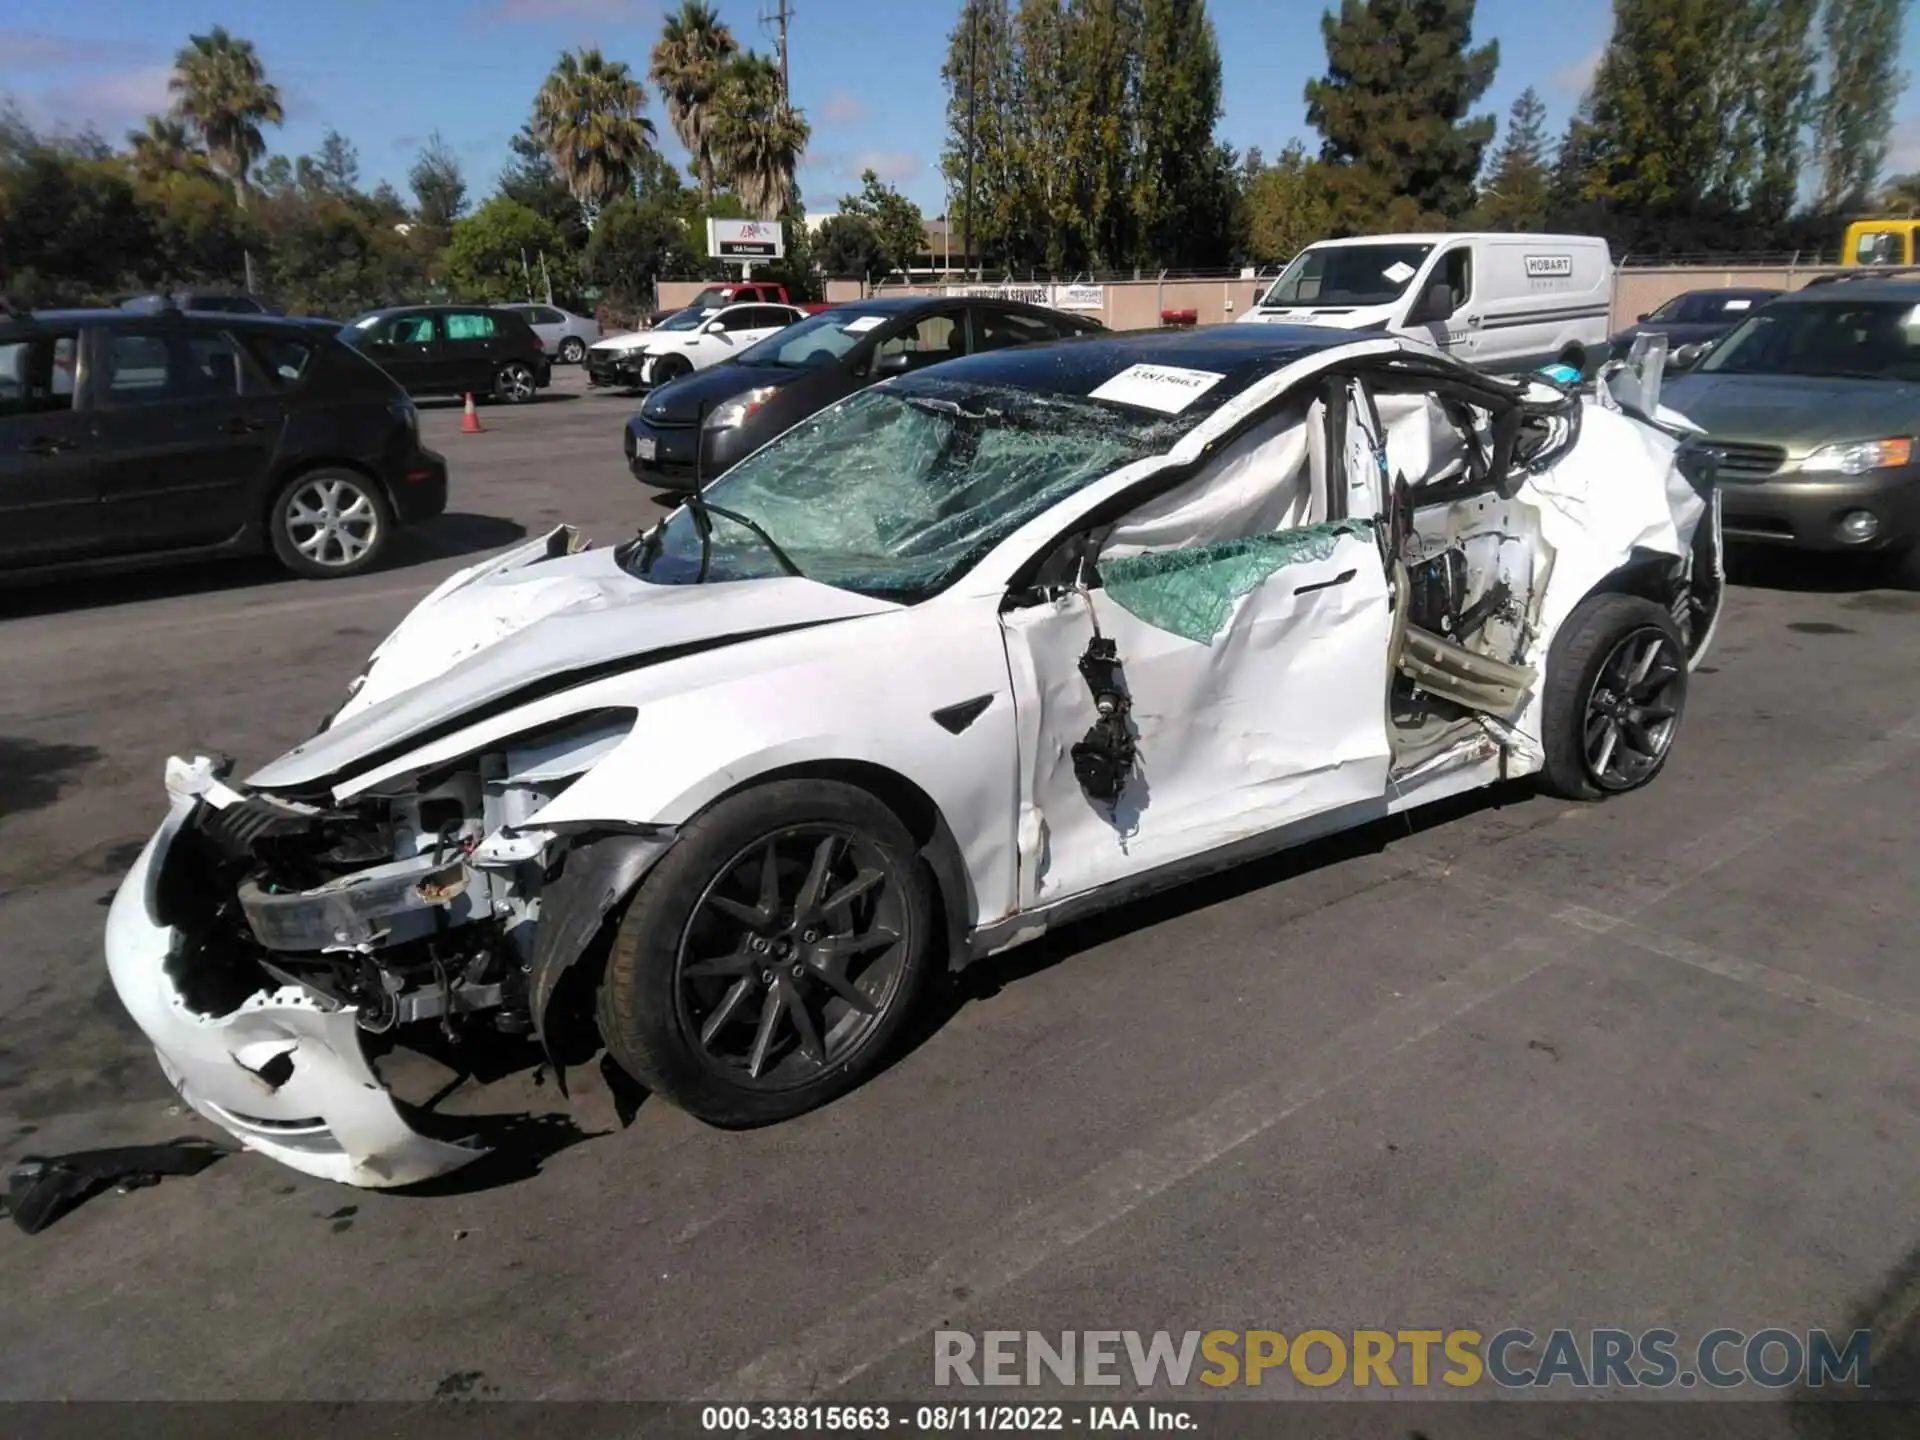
(687, 66)
(758, 138)
(164, 148)
(588, 116)
(221, 92)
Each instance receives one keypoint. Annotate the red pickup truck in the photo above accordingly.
(745, 292)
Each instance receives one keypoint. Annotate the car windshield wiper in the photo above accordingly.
(702, 510)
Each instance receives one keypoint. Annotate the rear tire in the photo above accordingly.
(1615, 694)
(770, 961)
(329, 523)
(514, 383)
(572, 350)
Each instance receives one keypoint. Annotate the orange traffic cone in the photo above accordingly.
(470, 422)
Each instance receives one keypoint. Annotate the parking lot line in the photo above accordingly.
(860, 1336)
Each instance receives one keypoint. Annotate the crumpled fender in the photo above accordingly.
(595, 877)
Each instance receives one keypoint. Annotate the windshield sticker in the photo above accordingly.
(1166, 388)
(861, 324)
(1399, 272)
(1738, 305)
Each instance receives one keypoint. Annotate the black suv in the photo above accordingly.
(455, 350)
(127, 438)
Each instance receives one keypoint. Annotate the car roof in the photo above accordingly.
(1240, 354)
(146, 318)
(1894, 291)
(1734, 290)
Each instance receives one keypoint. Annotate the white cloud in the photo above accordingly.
(1574, 77)
(842, 109)
(892, 166)
(109, 103)
(23, 50)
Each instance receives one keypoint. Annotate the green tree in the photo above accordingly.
(1671, 129)
(757, 137)
(496, 251)
(1102, 60)
(439, 187)
(164, 147)
(197, 231)
(1779, 75)
(850, 248)
(898, 230)
(980, 65)
(590, 116)
(687, 66)
(1864, 81)
(531, 179)
(220, 89)
(1181, 188)
(338, 163)
(1514, 195)
(1392, 111)
(1901, 196)
(1288, 205)
(71, 228)
(637, 242)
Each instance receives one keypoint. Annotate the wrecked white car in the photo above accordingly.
(970, 653)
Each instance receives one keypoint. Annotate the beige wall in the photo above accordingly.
(1638, 292)
(678, 294)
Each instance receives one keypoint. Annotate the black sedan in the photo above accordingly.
(734, 408)
(1693, 318)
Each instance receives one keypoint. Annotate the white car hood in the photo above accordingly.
(543, 612)
(620, 344)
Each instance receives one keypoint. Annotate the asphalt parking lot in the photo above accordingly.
(1520, 1063)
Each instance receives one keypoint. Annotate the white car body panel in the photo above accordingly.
(704, 347)
(1272, 731)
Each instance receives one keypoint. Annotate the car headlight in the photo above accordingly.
(1860, 456)
(732, 414)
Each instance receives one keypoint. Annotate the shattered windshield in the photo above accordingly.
(1348, 275)
(1866, 340)
(898, 490)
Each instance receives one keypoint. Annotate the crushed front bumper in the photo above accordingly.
(284, 1073)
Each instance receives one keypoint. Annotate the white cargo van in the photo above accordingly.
(1502, 302)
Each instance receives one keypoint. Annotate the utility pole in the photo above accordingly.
(973, 65)
(778, 19)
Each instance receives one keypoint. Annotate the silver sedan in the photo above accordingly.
(565, 334)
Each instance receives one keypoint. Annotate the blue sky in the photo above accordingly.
(387, 73)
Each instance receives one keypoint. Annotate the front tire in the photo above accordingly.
(330, 523)
(1903, 566)
(514, 383)
(769, 962)
(572, 350)
(669, 368)
(1616, 689)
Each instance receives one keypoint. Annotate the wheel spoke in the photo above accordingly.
(851, 891)
(1639, 739)
(314, 545)
(808, 902)
(763, 913)
(810, 1043)
(845, 946)
(1653, 681)
(1645, 662)
(741, 962)
(1655, 713)
(1607, 747)
(763, 1037)
(845, 989)
(728, 1007)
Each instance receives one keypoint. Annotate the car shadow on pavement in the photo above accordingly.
(489, 403)
(1891, 1315)
(983, 979)
(1809, 572)
(441, 538)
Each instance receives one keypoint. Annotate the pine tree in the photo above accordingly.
(1514, 196)
(1102, 54)
(1392, 110)
(980, 67)
(1864, 81)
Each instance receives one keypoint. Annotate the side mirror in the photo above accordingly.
(1640, 319)
(1435, 306)
(894, 364)
(1687, 356)
(712, 327)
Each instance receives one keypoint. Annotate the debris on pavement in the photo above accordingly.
(42, 1188)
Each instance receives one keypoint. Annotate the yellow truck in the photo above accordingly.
(1885, 241)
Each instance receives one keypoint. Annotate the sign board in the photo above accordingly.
(1541, 267)
(1059, 297)
(1079, 297)
(745, 240)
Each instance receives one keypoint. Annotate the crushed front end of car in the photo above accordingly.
(259, 940)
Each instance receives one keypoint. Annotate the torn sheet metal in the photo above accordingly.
(1282, 716)
(1192, 592)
